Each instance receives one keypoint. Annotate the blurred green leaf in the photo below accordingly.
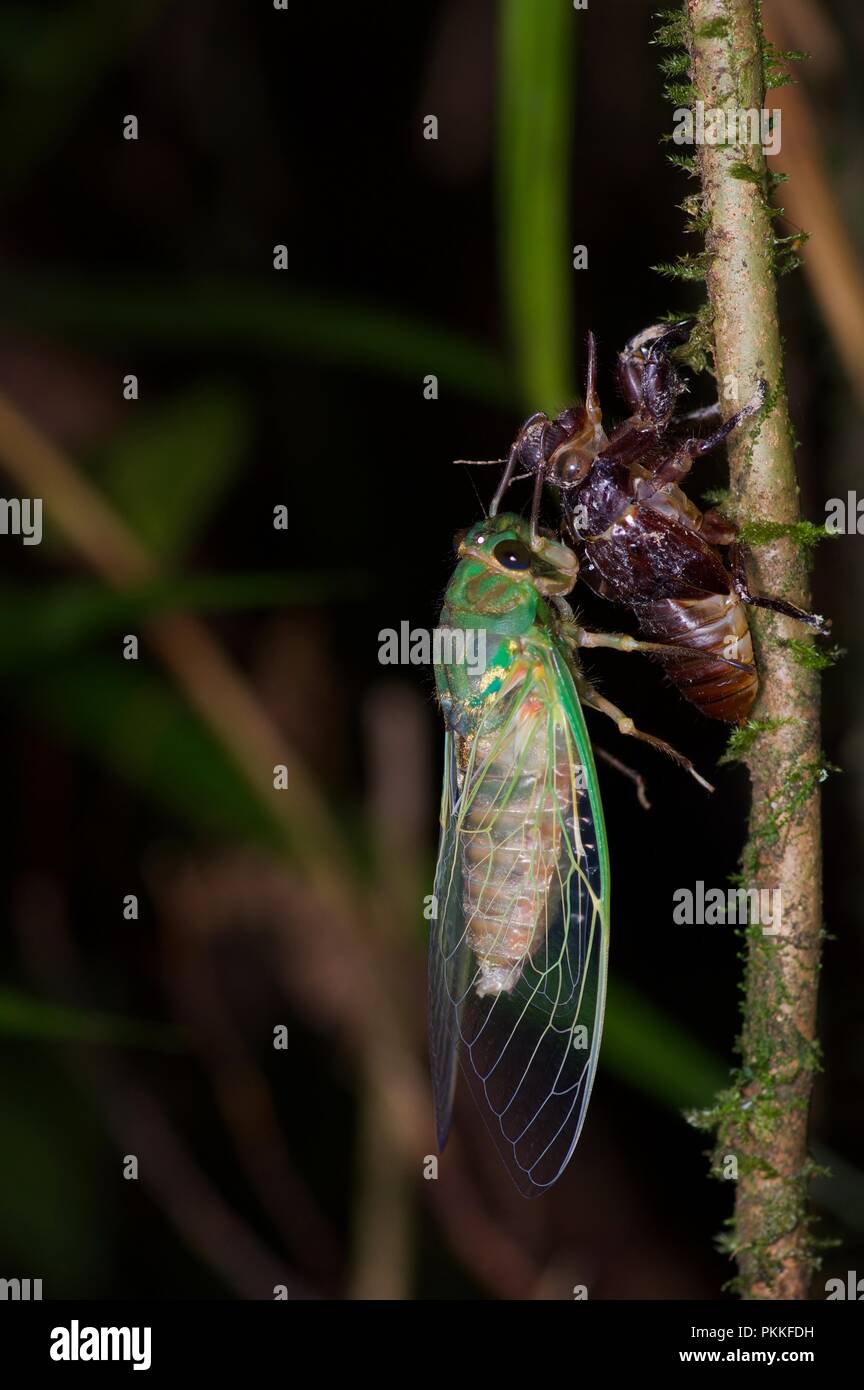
(257, 317)
(22, 1016)
(52, 62)
(40, 626)
(171, 466)
(648, 1049)
(54, 1217)
(537, 45)
(132, 722)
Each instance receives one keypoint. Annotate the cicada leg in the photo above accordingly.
(592, 400)
(717, 529)
(576, 636)
(539, 480)
(676, 467)
(630, 772)
(512, 459)
(775, 605)
(705, 415)
(591, 697)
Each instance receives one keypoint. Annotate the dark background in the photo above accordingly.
(153, 1037)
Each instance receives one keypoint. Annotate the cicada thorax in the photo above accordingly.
(512, 833)
(643, 547)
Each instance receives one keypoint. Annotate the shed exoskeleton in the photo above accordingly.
(640, 540)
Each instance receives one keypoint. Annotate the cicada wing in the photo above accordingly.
(529, 1050)
(443, 1017)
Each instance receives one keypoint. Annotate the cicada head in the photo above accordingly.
(571, 462)
(504, 547)
(576, 436)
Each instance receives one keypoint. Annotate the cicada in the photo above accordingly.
(520, 932)
(520, 937)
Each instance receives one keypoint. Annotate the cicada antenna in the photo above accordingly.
(476, 488)
(478, 463)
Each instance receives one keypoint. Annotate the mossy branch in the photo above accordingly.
(762, 1119)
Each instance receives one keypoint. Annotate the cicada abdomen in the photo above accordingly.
(676, 584)
(512, 834)
(717, 668)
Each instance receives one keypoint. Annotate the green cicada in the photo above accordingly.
(520, 936)
(519, 945)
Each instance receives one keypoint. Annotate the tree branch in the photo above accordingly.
(762, 1119)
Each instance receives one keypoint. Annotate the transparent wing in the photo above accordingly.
(442, 1017)
(517, 971)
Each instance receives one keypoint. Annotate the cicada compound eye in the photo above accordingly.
(571, 462)
(513, 555)
(573, 470)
